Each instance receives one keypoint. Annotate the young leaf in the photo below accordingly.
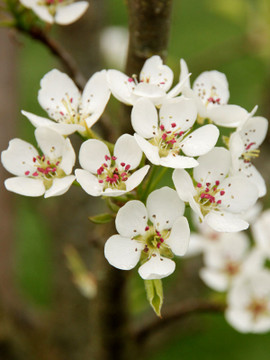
(154, 293)
(101, 218)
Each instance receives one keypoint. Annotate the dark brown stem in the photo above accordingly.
(67, 60)
(149, 27)
(174, 313)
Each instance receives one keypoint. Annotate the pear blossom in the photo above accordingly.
(107, 175)
(154, 82)
(228, 258)
(249, 303)
(151, 233)
(70, 110)
(48, 173)
(211, 93)
(243, 145)
(62, 12)
(216, 198)
(163, 137)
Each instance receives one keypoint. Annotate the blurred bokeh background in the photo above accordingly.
(232, 36)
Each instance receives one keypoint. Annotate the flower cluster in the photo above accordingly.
(170, 133)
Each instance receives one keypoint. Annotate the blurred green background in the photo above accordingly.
(232, 36)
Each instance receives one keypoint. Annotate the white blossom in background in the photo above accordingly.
(230, 257)
(106, 175)
(35, 174)
(211, 93)
(152, 233)
(70, 110)
(261, 233)
(154, 83)
(164, 137)
(249, 303)
(243, 145)
(62, 12)
(114, 45)
(215, 198)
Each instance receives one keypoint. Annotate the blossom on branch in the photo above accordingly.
(153, 83)
(48, 173)
(107, 175)
(163, 138)
(70, 110)
(62, 12)
(150, 234)
(216, 198)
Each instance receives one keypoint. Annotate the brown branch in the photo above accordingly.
(174, 313)
(67, 60)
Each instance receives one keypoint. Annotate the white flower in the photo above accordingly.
(249, 303)
(70, 110)
(211, 94)
(215, 198)
(103, 174)
(154, 82)
(261, 233)
(62, 12)
(163, 140)
(47, 174)
(244, 145)
(228, 258)
(152, 233)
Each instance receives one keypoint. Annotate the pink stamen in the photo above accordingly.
(71, 99)
(130, 80)
(208, 184)
(219, 202)
(161, 240)
(164, 136)
(107, 158)
(162, 127)
(146, 228)
(158, 245)
(217, 182)
(61, 113)
(122, 164)
(34, 159)
(173, 125)
(100, 181)
(249, 145)
(127, 167)
(114, 158)
(27, 173)
(35, 173)
(222, 192)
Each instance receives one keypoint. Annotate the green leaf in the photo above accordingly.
(101, 218)
(154, 292)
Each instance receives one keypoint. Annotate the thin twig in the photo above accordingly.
(67, 60)
(174, 313)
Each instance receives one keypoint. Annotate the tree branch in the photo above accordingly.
(174, 313)
(67, 60)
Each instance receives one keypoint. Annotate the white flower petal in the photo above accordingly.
(254, 131)
(180, 111)
(156, 73)
(136, 178)
(213, 166)
(127, 151)
(252, 174)
(144, 118)
(200, 141)
(131, 219)
(178, 240)
(164, 207)
(122, 252)
(184, 73)
(95, 96)
(57, 88)
(43, 13)
(113, 192)
(236, 146)
(25, 186)
(60, 186)
(240, 194)
(51, 143)
(157, 267)
(68, 157)
(150, 150)
(178, 162)
(121, 87)
(228, 115)
(70, 13)
(201, 108)
(183, 184)
(240, 319)
(61, 128)
(225, 222)
(18, 158)
(92, 155)
(89, 182)
(214, 279)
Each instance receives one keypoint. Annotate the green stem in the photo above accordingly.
(158, 178)
(143, 192)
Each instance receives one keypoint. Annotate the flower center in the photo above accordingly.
(168, 141)
(250, 153)
(53, 4)
(231, 268)
(206, 196)
(113, 175)
(154, 241)
(258, 307)
(46, 169)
